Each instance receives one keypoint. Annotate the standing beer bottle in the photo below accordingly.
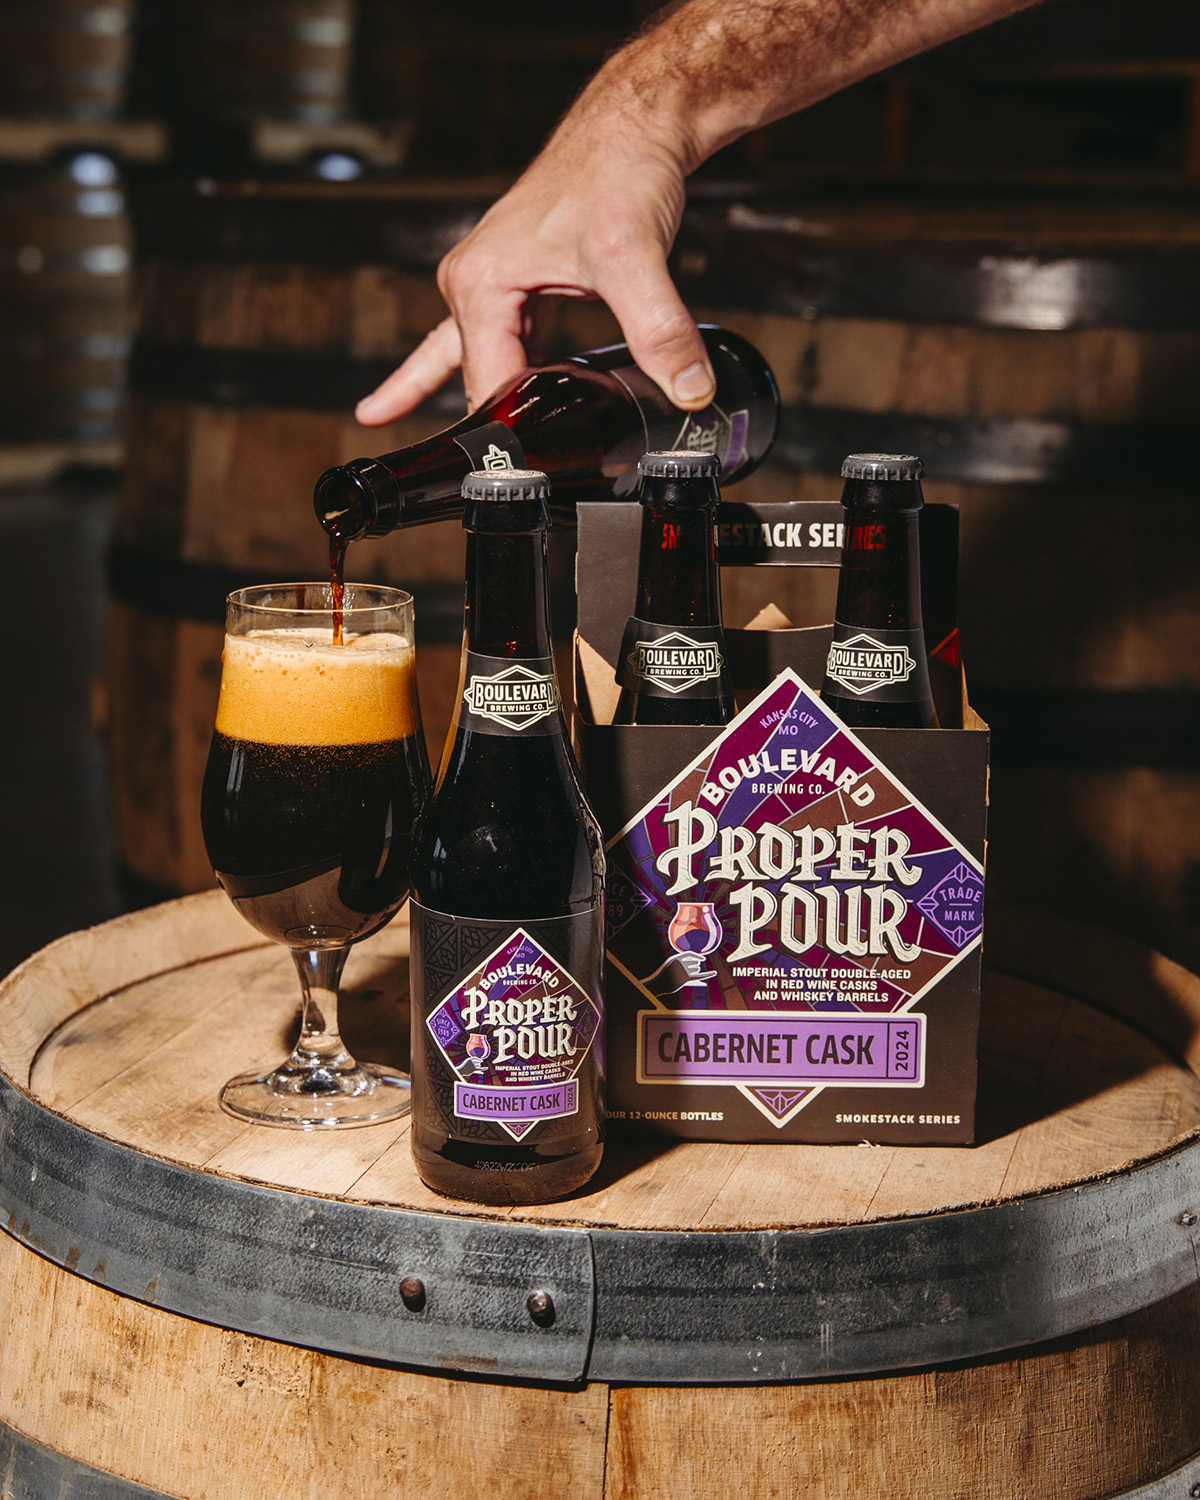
(672, 667)
(584, 422)
(877, 675)
(508, 894)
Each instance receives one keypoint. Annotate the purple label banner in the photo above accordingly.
(478, 1102)
(771, 1047)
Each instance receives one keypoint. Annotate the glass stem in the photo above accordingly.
(320, 1044)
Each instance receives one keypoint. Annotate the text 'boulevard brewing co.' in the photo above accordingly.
(508, 894)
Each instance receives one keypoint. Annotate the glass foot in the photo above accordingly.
(319, 1098)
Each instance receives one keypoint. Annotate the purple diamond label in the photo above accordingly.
(955, 906)
(788, 886)
(516, 1030)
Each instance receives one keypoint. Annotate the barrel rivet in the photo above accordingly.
(412, 1293)
(1194, 1492)
(541, 1308)
(1187, 1218)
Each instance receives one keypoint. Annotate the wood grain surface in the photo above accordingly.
(131, 1029)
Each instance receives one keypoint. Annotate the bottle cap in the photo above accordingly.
(506, 484)
(681, 464)
(882, 466)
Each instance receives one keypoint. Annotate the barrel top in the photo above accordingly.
(130, 1029)
(1079, 1205)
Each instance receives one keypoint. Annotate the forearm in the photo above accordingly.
(712, 70)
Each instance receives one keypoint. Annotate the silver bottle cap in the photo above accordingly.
(681, 464)
(506, 484)
(882, 466)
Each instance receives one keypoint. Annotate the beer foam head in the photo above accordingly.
(295, 687)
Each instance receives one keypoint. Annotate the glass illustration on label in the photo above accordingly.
(516, 697)
(516, 1030)
(838, 901)
(711, 431)
(863, 664)
(675, 661)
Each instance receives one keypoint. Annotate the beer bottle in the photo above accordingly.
(585, 422)
(507, 904)
(672, 668)
(877, 674)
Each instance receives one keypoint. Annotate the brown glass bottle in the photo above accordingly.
(584, 422)
(673, 667)
(877, 674)
(508, 895)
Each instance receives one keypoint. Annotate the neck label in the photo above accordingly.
(887, 665)
(504, 696)
(493, 446)
(671, 661)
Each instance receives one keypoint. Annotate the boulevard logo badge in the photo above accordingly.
(516, 697)
(863, 664)
(497, 458)
(675, 662)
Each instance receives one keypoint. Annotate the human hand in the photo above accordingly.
(594, 216)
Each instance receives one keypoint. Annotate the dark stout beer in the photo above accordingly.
(877, 675)
(673, 668)
(508, 882)
(584, 422)
(314, 778)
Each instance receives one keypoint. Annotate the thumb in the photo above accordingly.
(662, 335)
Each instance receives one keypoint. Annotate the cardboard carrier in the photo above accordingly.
(795, 909)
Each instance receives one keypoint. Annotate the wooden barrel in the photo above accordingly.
(220, 62)
(195, 1303)
(264, 312)
(1043, 355)
(66, 58)
(65, 300)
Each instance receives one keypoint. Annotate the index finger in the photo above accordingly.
(425, 370)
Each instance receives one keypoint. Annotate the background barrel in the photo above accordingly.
(66, 270)
(1041, 352)
(194, 1302)
(264, 313)
(65, 57)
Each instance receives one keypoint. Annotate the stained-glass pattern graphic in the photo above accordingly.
(516, 1030)
(836, 894)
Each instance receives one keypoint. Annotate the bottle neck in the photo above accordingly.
(507, 602)
(880, 581)
(678, 576)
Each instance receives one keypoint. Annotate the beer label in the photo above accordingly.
(715, 431)
(513, 1012)
(712, 430)
(778, 912)
(667, 661)
(493, 446)
(503, 695)
(887, 665)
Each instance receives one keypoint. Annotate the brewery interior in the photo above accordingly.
(219, 225)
